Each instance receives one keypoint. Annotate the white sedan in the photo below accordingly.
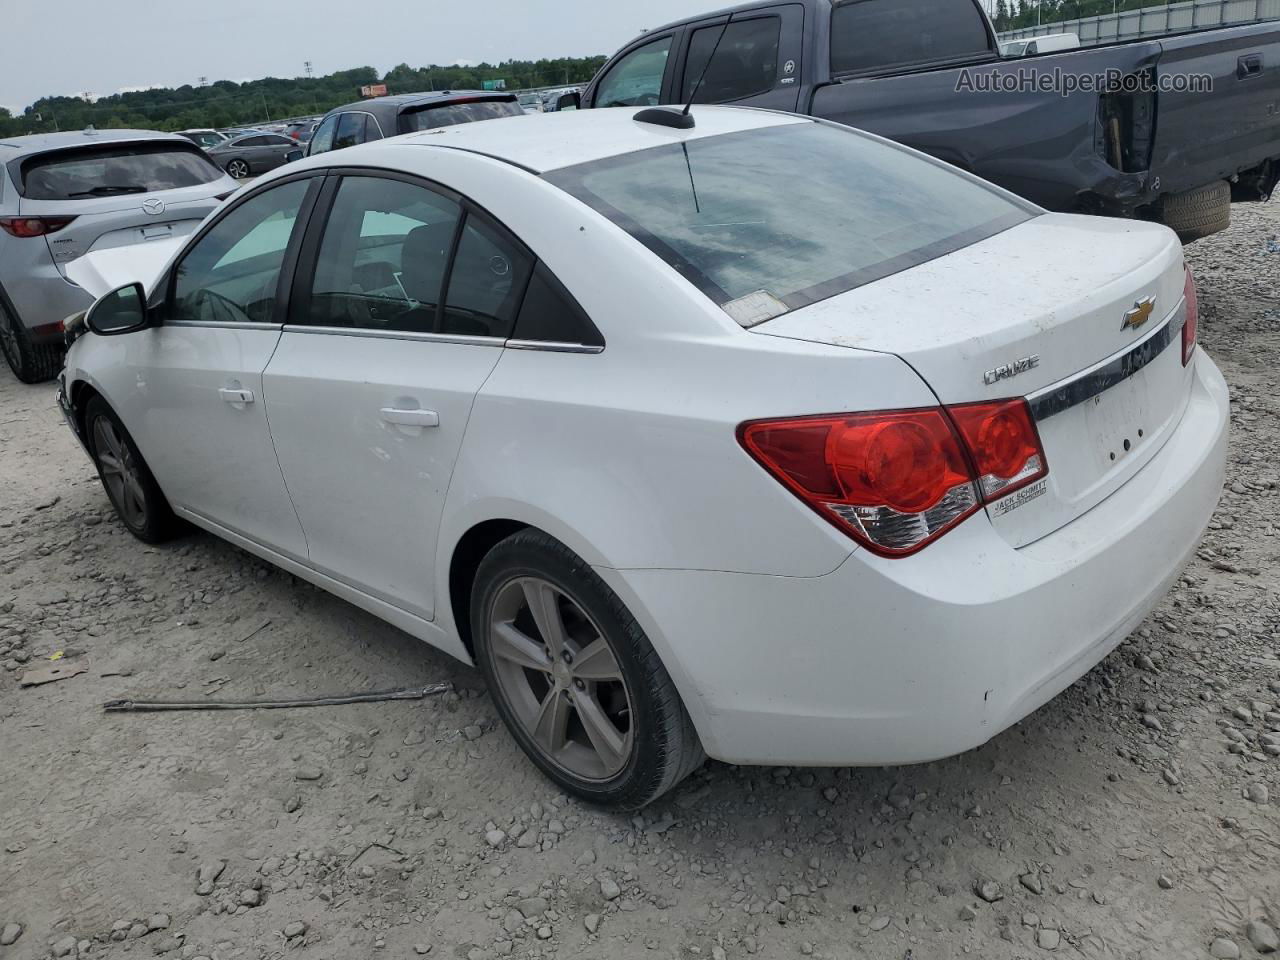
(765, 439)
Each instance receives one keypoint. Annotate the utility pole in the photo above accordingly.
(204, 81)
(307, 66)
(265, 112)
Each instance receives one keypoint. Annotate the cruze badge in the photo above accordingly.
(1139, 315)
(1007, 370)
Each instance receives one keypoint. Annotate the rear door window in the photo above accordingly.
(636, 79)
(449, 114)
(745, 62)
(112, 171)
(867, 35)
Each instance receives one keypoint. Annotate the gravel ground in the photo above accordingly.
(1135, 816)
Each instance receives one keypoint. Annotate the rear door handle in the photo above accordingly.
(236, 396)
(1250, 66)
(410, 418)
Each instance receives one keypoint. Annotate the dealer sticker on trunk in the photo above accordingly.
(1019, 497)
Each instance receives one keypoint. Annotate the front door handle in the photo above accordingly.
(236, 396)
(410, 418)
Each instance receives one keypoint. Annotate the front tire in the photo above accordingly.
(30, 362)
(130, 486)
(238, 169)
(574, 677)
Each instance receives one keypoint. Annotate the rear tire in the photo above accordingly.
(238, 169)
(605, 722)
(126, 478)
(1198, 213)
(30, 362)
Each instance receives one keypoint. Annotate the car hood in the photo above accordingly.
(102, 271)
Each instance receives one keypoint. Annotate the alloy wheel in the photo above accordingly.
(238, 169)
(119, 473)
(560, 678)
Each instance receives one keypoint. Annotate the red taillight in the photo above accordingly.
(897, 480)
(1004, 443)
(28, 227)
(1190, 329)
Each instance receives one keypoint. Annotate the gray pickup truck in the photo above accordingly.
(1172, 129)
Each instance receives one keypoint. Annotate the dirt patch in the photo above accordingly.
(1135, 816)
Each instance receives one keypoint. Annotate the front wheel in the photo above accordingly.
(238, 169)
(125, 476)
(575, 678)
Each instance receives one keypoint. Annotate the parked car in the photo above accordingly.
(381, 117)
(65, 194)
(301, 131)
(531, 102)
(1051, 43)
(686, 451)
(929, 73)
(204, 138)
(252, 154)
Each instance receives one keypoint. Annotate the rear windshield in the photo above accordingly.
(867, 35)
(448, 114)
(767, 221)
(111, 171)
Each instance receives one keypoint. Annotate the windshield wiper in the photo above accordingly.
(109, 191)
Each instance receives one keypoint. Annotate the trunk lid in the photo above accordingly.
(1038, 311)
(124, 220)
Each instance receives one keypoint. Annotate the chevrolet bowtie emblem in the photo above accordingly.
(1139, 315)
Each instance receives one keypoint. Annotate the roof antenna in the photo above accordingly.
(682, 119)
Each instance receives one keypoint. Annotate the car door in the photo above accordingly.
(196, 401)
(274, 150)
(754, 60)
(402, 305)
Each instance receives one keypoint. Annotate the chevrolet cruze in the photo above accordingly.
(763, 439)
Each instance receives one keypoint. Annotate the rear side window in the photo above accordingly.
(870, 34)
(730, 214)
(449, 114)
(745, 62)
(111, 171)
(550, 314)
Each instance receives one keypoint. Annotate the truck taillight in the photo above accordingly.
(28, 227)
(1190, 329)
(897, 480)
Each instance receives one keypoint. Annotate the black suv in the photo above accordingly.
(367, 120)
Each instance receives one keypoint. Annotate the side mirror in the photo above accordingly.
(123, 310)
(569, 101)
(293, 155)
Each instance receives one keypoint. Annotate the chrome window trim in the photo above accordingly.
(1105, 374)
(474, 341)
(554, 346)
(229, 325)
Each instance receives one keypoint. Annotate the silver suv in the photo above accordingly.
(64, 194)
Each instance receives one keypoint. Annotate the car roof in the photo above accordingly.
(43, 142)
(544, 142)
(397, 102)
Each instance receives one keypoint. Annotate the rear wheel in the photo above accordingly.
(30, 362)
(238, 169)
(575, 678)
(1199, 213)
(125, 476)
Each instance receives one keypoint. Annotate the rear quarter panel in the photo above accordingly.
(1038, 144)
(1202, 136)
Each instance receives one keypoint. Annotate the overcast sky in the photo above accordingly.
(102, 46)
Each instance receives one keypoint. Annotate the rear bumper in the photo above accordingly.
(909, 660)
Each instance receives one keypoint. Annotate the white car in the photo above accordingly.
(766, 438)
